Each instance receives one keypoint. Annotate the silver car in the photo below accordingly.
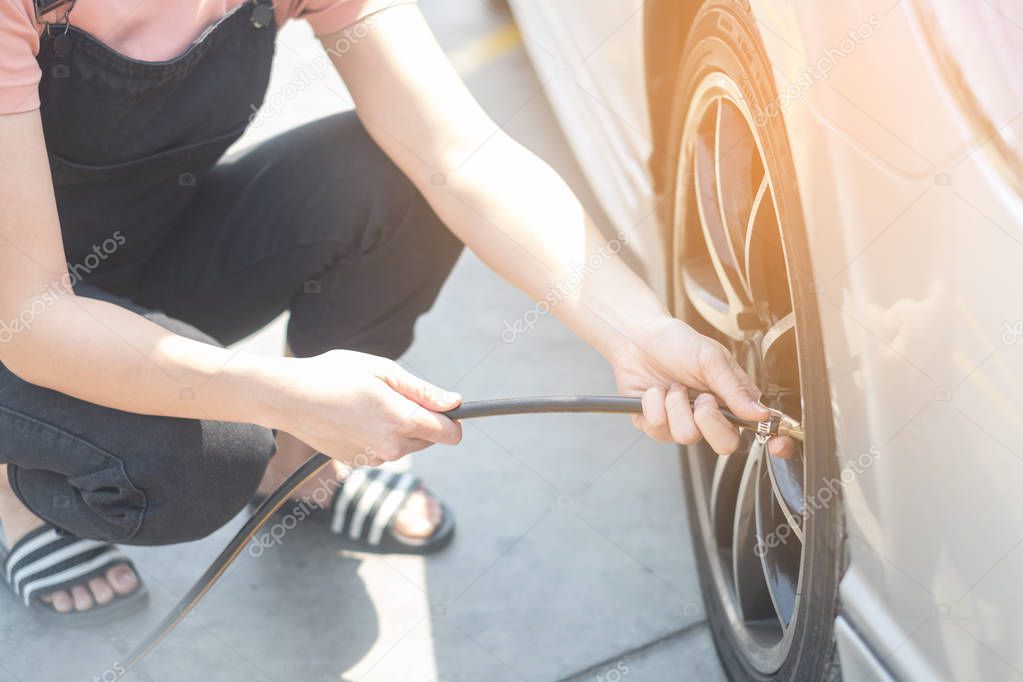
(836, 191)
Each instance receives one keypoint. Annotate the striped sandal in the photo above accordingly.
(48, 559)
(362, 510)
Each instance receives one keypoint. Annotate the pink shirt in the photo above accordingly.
(150, 30)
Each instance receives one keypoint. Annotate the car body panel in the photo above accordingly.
(849, 62)
(858, 661)
(600, 101)
(917, 248)
(914, 262)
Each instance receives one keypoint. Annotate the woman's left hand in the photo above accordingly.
(667, 362)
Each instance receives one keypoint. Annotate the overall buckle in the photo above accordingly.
(262, 13)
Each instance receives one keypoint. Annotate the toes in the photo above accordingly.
(62, 601)
(418, 516)
(122, 579)
(101, 591)
(119, 580)
(428, 507)
(436, 512)
(82, 598)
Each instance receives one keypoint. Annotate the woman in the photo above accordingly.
(132, 252)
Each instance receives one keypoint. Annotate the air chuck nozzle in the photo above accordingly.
(791, 428)
(778, 424)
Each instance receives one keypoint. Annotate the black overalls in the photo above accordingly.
(316, 221)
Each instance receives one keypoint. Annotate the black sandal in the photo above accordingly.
(362, 512)
(49, 559)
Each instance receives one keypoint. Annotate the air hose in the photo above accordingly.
(778, 423)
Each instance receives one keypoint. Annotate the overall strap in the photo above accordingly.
(44, 7)
(262, 13)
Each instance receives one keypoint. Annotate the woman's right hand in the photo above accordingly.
(361, 409)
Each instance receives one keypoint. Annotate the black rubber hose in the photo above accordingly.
(203, 585)
(469, 410)
(609, 404)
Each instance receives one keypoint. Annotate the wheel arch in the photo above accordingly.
(666, 25)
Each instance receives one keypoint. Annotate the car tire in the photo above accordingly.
(723, 50)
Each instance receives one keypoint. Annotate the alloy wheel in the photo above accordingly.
(735, 275)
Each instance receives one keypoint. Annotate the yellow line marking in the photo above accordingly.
(477, 54)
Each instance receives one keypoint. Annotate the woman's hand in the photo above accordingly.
(360, 409)
(666, 363)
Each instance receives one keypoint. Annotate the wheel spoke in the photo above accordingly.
(724, 489)
(777, 350)
(751, 592)
(779, 359)
(734, 155)
(751, 227)
(726, 305)
(787, 485)
(779, 548)
(776, 337)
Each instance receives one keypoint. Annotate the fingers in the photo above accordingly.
(394, 448)
(422, 424)
(422, 402)
(411, 428)
(724, 443)
(680, 416)
(668, 415)
(420, 391)
(412, 422)
(726, 379)
(722, 437)
(781, 446)
(655, 418)
(410, 445)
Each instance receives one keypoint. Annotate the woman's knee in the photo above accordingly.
(199, 489)
(190, 479)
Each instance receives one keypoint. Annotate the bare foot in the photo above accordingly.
(417, 518)
(17, 520)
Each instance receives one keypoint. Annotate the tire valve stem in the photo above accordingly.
(779, 424)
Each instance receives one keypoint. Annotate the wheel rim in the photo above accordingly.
(735, 275)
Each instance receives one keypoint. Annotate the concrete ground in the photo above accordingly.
(572, 559)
